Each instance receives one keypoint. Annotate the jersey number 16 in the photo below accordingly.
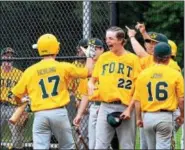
(161, 93)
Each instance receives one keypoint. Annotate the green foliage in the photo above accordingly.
(167, 17)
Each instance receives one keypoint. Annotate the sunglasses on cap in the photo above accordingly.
(78, 47)
(149, 41)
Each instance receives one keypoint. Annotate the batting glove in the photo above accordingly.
(90, 51)
(25, 99)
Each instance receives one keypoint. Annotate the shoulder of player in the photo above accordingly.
(145, 72)
(146, 57)
(17, 70)
(173, 71)
(105, 54)
(174, 64)
(132, 55)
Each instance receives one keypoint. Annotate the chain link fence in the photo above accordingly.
(22, 22)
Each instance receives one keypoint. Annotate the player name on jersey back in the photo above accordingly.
(46, 70)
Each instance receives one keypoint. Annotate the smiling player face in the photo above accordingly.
(112, 41)
(149, 45)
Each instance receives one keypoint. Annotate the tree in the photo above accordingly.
(168, 18)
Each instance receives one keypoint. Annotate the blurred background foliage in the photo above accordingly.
(165, 17)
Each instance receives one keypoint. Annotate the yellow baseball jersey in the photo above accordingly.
(82, 87)
(8, 80)
(46, 83)
(79, 85)
(116, 76)
(158, 88)
(96, 94)
(148, 61)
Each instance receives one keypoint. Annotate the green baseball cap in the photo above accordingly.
(157, 37)
(7, 50)
(162, 49)
(97, 42)
(83, 43)
(114, 119)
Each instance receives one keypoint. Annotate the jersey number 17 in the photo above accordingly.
(54, 91)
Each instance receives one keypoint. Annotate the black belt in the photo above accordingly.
(96, 103)
(161, 110)
(114, 102)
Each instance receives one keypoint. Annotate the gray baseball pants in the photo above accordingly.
(104, 132)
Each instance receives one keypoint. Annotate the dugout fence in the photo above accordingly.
(22, 22)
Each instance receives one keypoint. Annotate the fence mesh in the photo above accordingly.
(21, 25)
(22, 22)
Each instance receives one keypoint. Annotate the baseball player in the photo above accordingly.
(8, 79)
(46, 84)
(80, 90)
(173, 56)
(116, 71)
(151, 39)
(157, 94)
(146, 57)
(93, 110)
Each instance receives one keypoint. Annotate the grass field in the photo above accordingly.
(178, 139)
(6, 135)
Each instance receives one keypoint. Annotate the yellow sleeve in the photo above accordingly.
(173, 64)
(136, 95)
(82, 87)
(180, 86)
(20, 89)
(137, 68)
(97, 68)
(74, 71)
(142, 62)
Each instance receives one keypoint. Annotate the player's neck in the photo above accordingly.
(119, 52)
(49, 57)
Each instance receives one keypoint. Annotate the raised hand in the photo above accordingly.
(140, 27)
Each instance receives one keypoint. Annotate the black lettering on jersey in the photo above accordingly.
(104, 68)
(14, 83)
(156, 76)
(46, 70)
(2, 82)
(120, 68)
(129, 70)
(9, 83)
(111, 68)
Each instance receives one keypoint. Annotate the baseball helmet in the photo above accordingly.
(48, 44)
(7, 50)
(114, 119)
(173, 47)
(162, 49)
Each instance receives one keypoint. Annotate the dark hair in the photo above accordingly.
(173, 57)
(120, 34)
(161, 60)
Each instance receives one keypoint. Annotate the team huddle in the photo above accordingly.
(124, 90)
